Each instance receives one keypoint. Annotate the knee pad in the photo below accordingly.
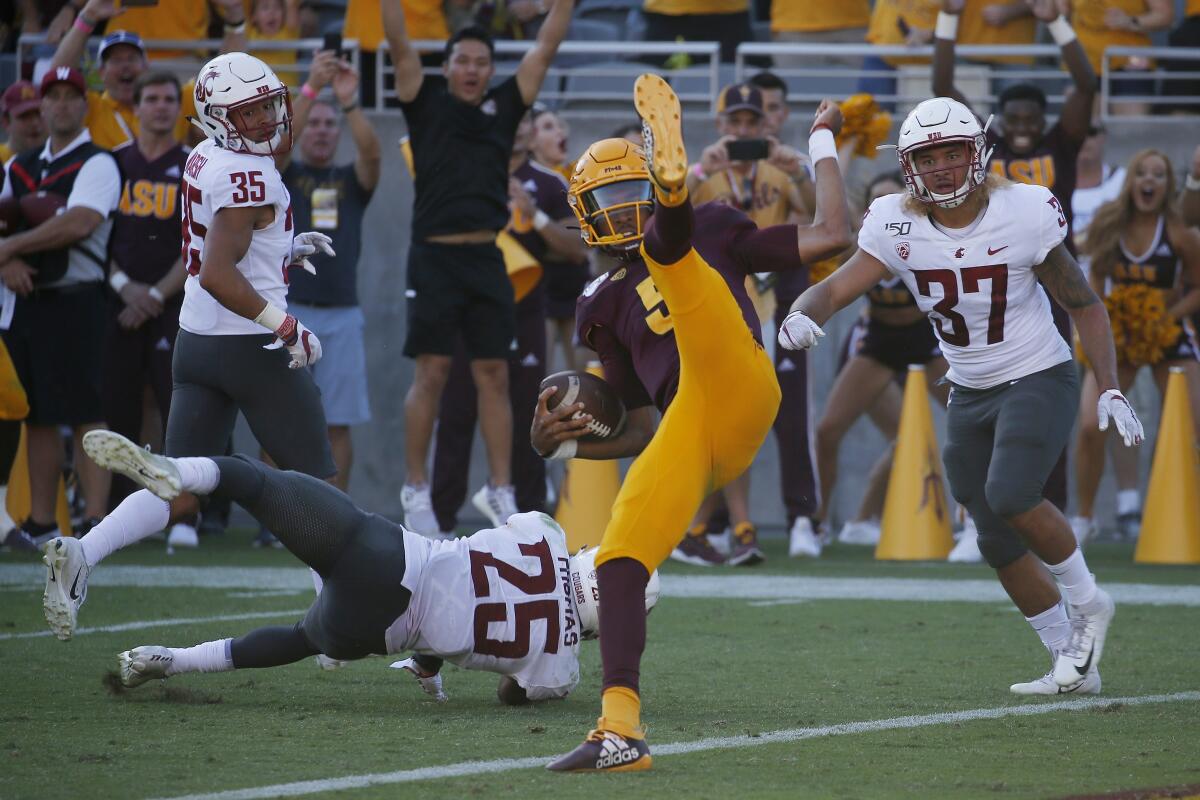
(1009, 496)
(1000, 548)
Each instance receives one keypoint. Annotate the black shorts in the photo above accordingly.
(1183, 348)
(564, 283)
(894, 346)
(56, 341)
(459, 290)
(217, 376)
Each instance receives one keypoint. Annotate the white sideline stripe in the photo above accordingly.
(159, 623)
(736, 587)
(715, 743)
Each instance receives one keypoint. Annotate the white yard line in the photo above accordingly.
(716, 586)
(160, 623)
(468, 768)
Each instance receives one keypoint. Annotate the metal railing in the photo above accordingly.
(1111, 79)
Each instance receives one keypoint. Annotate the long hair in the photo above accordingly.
(1103, 244)
(990, 184)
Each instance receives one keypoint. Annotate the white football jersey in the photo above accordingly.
(216, 178)
(977, 283)
(498, 601)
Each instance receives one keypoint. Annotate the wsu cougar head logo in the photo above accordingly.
(204, 86)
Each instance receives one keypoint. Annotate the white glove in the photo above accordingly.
(430, 684)
(798, 332)
(301, 343)
(307, 244)
(1114, 406)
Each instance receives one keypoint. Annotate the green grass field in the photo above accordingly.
(716, 668)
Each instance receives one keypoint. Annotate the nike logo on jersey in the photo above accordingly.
(992, 252)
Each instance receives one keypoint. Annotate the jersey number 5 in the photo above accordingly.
(524, 614)
(959, 334)
(657, 318)
(191, 255)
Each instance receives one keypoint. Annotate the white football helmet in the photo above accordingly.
(587, 593)
(230, 94)
(938, 121)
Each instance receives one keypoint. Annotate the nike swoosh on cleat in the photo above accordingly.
(1087, 664)
(75, 584)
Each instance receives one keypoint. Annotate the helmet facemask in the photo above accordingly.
(268, 135)
(614, 216)
(936, 122)
(971, 165)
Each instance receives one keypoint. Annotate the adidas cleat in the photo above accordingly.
(142, 664)
(116, 453)
(662, 136)
(605, 751)
(66, 585)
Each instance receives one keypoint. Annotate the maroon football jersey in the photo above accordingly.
(622, 316)
(146, 232)
(1050, 164)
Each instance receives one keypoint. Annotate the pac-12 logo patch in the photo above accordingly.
(902, 250)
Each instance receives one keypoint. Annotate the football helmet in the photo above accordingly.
(938, 121)
(608, 190)
(587, 592)
(243, 106)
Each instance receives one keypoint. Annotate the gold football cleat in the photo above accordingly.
(662, 134)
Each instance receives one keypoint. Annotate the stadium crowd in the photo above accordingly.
(94, 259)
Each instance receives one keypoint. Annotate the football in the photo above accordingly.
(598, 397)
(38, 207)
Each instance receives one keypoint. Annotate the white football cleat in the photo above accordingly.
(802, 541)
(66, 584)
(146, 663)
(1084, 529)
(497, 503)
(182, 535)
(1089, 627)
(329, 664)
(418, 510)
(860, 532)
(966, 549)
(114, 452)
(430, 684)
(1088, 684)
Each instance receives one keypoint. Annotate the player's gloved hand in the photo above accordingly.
(798, 332)
(301, 343)
(307, 244)
(430, 684)
(1114, 406)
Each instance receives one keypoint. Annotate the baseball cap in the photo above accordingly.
(20, 98)
(739, 97)
(120, 37)
(69, 75)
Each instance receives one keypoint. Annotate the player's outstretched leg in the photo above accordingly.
(662, 137)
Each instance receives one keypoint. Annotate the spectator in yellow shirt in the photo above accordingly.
(275, 21)
(907, 22)
(20, 113)
(1101, 24)
(819, 22)
(724, 21)
(177, 19)
(423, 19)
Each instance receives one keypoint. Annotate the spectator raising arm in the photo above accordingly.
(368, 153)
(74, 42)
(536, 62)
(404, 57)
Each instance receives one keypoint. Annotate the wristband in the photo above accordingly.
(1061, 31)
(564, 451)
(947, 26)
(821, 144)
(540, 220)
(118, 280)
(272, 317)
(156, 294)
(1191, 183)
(308, 91)
(84, 24)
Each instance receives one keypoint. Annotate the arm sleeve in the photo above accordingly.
(98, 185)
(618, 367)
(1051, 222)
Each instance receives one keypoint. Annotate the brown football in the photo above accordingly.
(10, 216)
(599, 399)
(41, 206)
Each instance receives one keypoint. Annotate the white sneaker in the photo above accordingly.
(418, 510)
(1084, 529)
(146, 663)
(860, 531)
(182, 535)
(966, 550)
(1089, 627)
(1088, 684)
(722, 542)
(803, 542)
(114, 452)
(430, 684)
(66, 584)
(497, 503)
(329, 664)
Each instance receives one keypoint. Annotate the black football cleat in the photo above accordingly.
(605, 751)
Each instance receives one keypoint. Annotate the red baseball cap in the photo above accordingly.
(20, 98)
(69, 75)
